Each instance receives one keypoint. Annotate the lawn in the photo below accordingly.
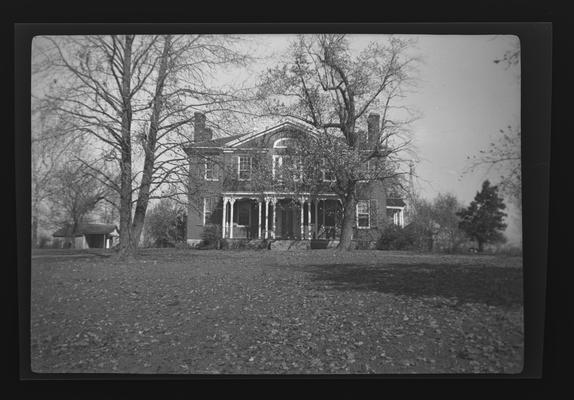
(278, 312)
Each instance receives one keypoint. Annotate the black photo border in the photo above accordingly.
(536, 84)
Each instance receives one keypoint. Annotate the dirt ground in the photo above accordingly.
(272, 312)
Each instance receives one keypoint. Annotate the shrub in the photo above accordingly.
(234, 244)
(365, 245)
(394, 237)
(210, 236)
(44, 242)
(165, 224)
(181, 245)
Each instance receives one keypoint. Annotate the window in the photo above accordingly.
(396, 214)
(209, 205)
(285, 143)
(287, 165)
(244, 168)
(327, 175)
(363, 214)
(277, 164)
(210, 171)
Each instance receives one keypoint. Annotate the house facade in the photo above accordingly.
(232, 199)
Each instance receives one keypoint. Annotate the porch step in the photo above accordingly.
(290, 245)
(323, 244)
(303, 244)
(256, 244)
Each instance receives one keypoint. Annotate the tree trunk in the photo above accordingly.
(480, 246)
(34, 231)
(349, 205)
(150, 148)
(126, 245)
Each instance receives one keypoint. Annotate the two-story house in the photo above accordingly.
(231, 197)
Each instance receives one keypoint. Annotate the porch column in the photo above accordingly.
(316, 218)
(324, 207)
(309, 219)
(274, 202)
(259, 210)
(401, 218)
(231, 202)
(266, 217)
(224, 225)
(302, 218)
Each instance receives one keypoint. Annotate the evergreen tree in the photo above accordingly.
(483, 219)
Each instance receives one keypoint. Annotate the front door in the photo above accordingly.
(287, 222)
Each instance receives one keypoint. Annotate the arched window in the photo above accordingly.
(284, 143)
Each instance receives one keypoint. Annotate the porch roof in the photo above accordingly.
(395, 203)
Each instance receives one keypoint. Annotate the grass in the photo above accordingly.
(269, 312)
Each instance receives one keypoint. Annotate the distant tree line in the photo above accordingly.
(443, 224)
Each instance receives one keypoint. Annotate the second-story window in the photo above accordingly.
(287, 166)
(211, 170)
(244, 168)
(327, 175)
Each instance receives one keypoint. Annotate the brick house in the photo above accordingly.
(228, 199)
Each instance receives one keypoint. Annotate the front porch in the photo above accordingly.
(280, 216)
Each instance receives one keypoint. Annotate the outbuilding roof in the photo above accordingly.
(395, 203)
(88, 229)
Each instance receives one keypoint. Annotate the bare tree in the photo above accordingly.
(136, 95)
(52, 143)
(76, 194)
(323, 84)
(503, 156)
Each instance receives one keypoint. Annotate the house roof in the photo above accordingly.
(217, 142)
(237, 140)
(88, 229)
(395, 203)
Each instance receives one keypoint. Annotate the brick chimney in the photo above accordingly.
(207, 134)
(373, 124)
(200, 132)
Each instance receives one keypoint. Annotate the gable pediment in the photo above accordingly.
(267, 137)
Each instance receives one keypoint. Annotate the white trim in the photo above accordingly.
(245, 149)
(255, 195)
(259, 209)
(267, 218)
(224, 217)
(232, 202)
